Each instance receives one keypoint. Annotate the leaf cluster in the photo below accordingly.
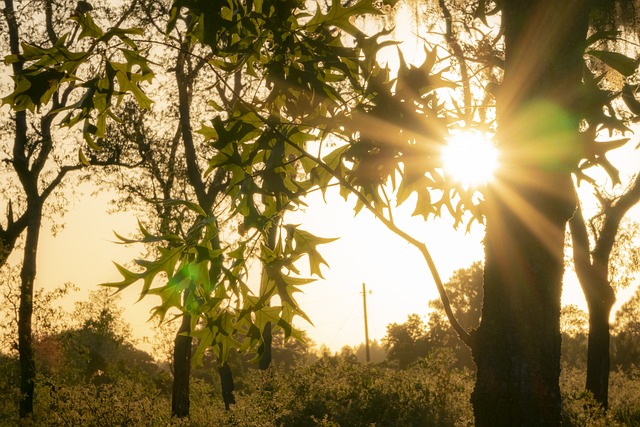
(103, 65)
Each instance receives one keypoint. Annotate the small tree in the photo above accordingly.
(36, 157)
(626, 338)
(406, 342)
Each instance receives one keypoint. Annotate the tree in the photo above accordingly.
(414, 339)
(406, 342)
(594, 264)
(574, 328)
(36, 157)
(377, 352)
(626, 351)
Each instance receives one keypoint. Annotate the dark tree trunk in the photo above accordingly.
(517, 346)
(600, 296)
(25, 340)
(226, 380)
(181, 369)
(598, 357)
(265, 358)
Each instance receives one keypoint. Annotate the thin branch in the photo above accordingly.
(48, 16)
(459, 54)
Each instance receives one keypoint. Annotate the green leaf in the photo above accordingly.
(340, 16)
(305, 244)
(82, 158)
(88, 27)
(189, 205)
(602, 35)
(33, 89)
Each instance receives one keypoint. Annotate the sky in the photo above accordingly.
(397, 279)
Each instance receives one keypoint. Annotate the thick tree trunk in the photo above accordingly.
(181, 370)
(517, 346)
(25, 313)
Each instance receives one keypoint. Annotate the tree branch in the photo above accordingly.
(613, 214)
(580, 240)
(459, 54)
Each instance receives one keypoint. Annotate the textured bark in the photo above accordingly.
(181, 370)
(517, 346)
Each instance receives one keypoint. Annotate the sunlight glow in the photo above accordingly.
(470, 158)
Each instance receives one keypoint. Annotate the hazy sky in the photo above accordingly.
(393, 271)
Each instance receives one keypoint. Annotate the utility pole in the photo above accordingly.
(366, 326)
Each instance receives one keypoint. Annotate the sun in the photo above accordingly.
(470, 158)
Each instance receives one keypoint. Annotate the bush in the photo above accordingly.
(332, 392)
(340, 392)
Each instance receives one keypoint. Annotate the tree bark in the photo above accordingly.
(181, 369)
(598, 356)
(517, 346)
(25, 339)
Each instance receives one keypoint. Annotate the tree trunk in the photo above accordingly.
(265, 358)
(181, 369)
(517, 346)
(598, 357)
(25, 313)
(593, 275)
(226, 380)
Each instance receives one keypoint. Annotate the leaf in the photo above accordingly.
(189, 205)
(305, 244)
(600, 148)
(619, 62)
(88, 27)
(340, 16)
(82, 158)
(33, 89)
(611, 170)
(602, 35)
